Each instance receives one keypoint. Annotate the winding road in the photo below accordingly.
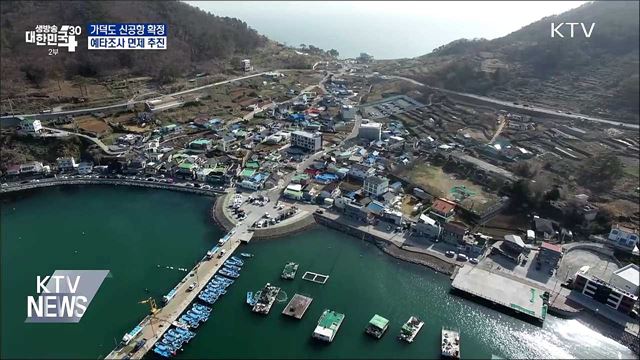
(511, 105)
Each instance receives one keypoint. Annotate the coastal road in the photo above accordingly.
(535, 109)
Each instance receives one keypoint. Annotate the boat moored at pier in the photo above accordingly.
(410, 329)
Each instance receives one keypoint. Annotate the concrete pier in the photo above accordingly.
(156, 325)
(297, 306)
(513, 295)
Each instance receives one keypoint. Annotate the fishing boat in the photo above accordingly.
(232, 267)
(410, 329)
(289, 271)
(246, 255)
(265, 298)
(250, 298)
(163, 353)
(377, 326)
(328, 325)
(228, 273)
(450, 346)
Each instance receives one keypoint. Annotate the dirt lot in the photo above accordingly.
(437, 182)
(90, 124)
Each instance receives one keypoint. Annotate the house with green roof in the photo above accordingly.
(200, 145)
(247, 173)
(300, 178)
(252, 164)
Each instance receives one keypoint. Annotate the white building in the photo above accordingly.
(370, 131)
(375, 185)
(361, 172)
(623, 238)
(245, 64)
(348, 112)
(33, 167)
(66, 163)
(307, 140)
(428, 227)
(30, 126)
(627, 279)
(85, 168)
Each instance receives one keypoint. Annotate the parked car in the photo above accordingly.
(473, 260)
(462, 257)
(450, 253)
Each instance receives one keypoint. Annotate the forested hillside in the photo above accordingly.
(194, 37)
(596, 75)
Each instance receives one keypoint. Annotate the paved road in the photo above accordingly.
(511, 105)
(133, 102)
(502, 122)
(96, 141)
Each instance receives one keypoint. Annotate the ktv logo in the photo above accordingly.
(64, 296)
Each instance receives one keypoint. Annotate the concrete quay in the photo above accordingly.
(522, 299)
(390, 243)
(300, 222)
(158, 323)
(124, 182)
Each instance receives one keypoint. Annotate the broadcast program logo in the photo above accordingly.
(64, 296)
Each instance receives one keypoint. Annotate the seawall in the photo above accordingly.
(139, 183)
(222, 219)
(388, 247)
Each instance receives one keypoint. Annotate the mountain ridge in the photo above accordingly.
(596, 75)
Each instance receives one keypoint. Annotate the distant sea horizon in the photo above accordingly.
(385, 30)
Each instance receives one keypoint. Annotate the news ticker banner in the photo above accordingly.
(101, 36)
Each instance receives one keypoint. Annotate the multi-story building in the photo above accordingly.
(306, 140)
(66, 163)
(370, 131)
(623, 237)
(627, 279)
(33, 167)
(605, 293)
(428, 227)
(245, 64)
(375, 186)
(550, 254)
(85, 168)
(348, 112)
(31, 126)
(361, 172)
(442, 210)
(453, 233)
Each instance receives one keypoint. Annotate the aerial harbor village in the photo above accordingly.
(485, 193)
(526, 210)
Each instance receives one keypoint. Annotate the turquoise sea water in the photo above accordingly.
(136, 233)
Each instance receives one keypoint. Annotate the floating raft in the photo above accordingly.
(315, 277)
(289, 271)
(297, 306)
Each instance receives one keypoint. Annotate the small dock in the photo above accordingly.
(315, 277)
(520, 298)
(297, 306)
